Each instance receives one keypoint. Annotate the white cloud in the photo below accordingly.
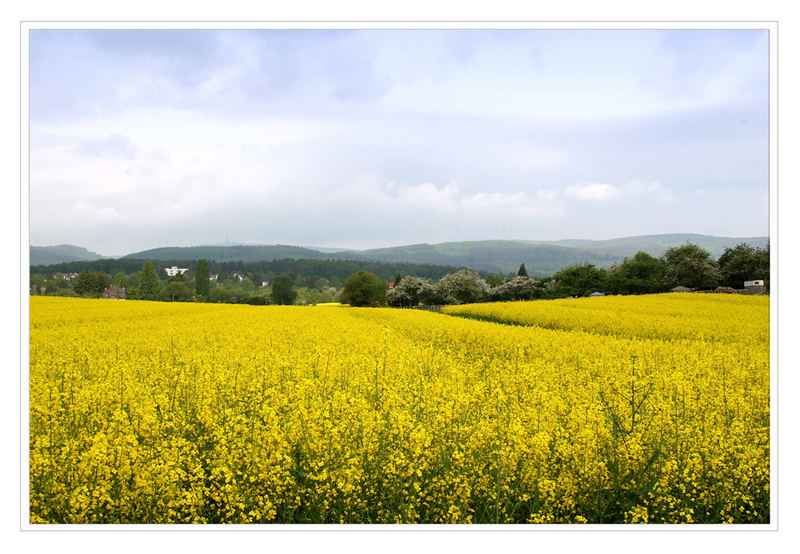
(423, 196)
(519, 204)
(592, 192)
(90, 214)
(604, 192)
(367, 192)
(637, 188)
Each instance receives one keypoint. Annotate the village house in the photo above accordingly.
(115, 293)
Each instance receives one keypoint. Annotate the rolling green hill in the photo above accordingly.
(496, 256)
(492, 256)
(541, 258)
(656, 245)
(46, 255)
(239, 252)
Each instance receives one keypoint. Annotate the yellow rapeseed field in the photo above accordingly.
(714, 317)
(639, 409)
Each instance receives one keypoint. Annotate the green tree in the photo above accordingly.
(64, 292)
(247, 284)
(307, 297)
(149, 289)
(689, 265)
(493, 280)
(231, 296)
(638, 275)
(120, 279)
(743, 263)
(322, 284)
(364, 289)
(91, 283)
(178, 289)
(37, 282)
(763, 256)
(255, 300)
(578, 280)
(100, 282)
(202, 278)
(522, 272)
(283, 292)
(82, 284)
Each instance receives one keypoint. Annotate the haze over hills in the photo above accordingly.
(541, 258)
(655, 245)
(493, 256)
(497, 256)
(500, 256)
(239, 252)
(46, 255)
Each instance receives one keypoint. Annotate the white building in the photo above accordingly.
(175, 270)
(755, 287)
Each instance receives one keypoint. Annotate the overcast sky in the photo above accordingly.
(363, 139)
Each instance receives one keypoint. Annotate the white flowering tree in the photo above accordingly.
(520, 287)
(409, 291)
(464, 286)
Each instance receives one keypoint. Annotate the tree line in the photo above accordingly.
(688, 265)
(303, 272)
(198, 286)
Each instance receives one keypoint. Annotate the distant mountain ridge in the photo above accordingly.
(496, 256)
(656, 245)
(541, 258)
(224, 253)
(47, 255)
(491, 256)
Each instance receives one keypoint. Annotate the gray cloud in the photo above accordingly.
(369, 138)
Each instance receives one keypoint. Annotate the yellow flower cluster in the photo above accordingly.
(152, 412)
